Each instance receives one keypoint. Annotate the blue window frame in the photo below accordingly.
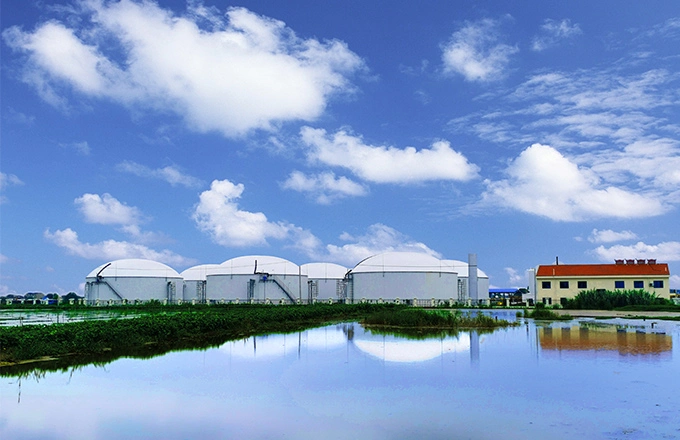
(564, 284)
(637, 284)
(619, 284)
(658, 284)
(583, 284)
(545, 285)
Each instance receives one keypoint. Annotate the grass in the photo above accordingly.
(207, 326)
(543, 314)
(432, 319)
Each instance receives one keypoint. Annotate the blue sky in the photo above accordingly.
(194, 132)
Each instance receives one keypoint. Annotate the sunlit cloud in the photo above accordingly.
(609, 236)
(170, 174)
(324, 188)
(112, 250)
(543, 182)
(663, 252)
(474, 52)
(553, 32)
(227, 73)
(387, 164)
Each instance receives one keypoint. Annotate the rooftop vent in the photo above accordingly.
(619, 261)
(641, 261)
(651, 261)
(630, 261)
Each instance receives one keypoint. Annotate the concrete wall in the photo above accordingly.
(404, 285)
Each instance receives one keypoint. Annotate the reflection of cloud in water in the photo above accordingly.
(278, 345)
(406, 350)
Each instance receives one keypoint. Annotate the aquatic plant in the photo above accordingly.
(441, 319)
(542, 313)
(601, 299)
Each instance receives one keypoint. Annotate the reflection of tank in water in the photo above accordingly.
(604, 338)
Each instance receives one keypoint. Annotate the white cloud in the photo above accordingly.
(112, 249)
(514, 278)
(552, 32)
(542, 181)
(3, 259)
(674, 282)
(324, 187)
(609, 236)
(5, 181)
(107, 210)
(82, 148)
(662, 252)
(171, 174)
(473, 52)
(228, 75)
(378, 238)
(219, 215)
(382, 164)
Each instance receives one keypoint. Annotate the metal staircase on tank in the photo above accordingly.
(276, 280)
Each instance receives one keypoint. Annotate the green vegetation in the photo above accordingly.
(432, 319)
(601, 299)
(194, 327)
(541, 313)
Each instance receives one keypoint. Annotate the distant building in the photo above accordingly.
(557, 282)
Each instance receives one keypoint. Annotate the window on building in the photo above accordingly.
(638, 284)
(619, 285)
(658, 284)
(564, 284)
(583, 284)
(545, 285)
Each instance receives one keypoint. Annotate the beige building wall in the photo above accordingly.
(555, 293)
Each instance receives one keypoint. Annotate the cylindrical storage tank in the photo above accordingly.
(403, 275)
(133, 279)
(462, 268)
(257, 278)
(325, 281)
(195, 281)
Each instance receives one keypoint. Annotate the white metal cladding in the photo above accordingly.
(464, 291)
(402, 262)
(134, 268)
(255, 286)
(247, 265)
(133, 279)
(133, 288)
(404, 285)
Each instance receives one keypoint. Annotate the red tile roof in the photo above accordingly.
(602, 270)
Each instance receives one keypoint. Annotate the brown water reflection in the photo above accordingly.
(605, 338)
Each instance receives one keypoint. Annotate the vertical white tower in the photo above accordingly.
(473, 285)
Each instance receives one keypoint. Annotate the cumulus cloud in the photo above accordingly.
(542, 181)
(107, 210)
(377, 239)
(112, 249)
(324, 188)
(552, 32)
(664, 251)
(474, 52)
(171, 174)
(609, 236)
(218, 214)
(384, 164)
(229, 74)
(514, 278)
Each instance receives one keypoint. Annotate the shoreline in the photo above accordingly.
(616, 314)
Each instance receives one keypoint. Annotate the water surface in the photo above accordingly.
(585, 379)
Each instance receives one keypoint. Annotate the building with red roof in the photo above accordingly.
(558, 282)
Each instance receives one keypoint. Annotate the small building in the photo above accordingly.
(404, 276)
(257, 278)
(133, 279)
(325, 281)
(557, 282)
(463, 270)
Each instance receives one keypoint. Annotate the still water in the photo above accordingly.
(584, 379)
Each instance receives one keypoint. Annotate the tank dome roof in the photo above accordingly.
(461, 267)
(199, 273)
(402, 262)
(258, 263)
(324, 270)
(134, 267)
